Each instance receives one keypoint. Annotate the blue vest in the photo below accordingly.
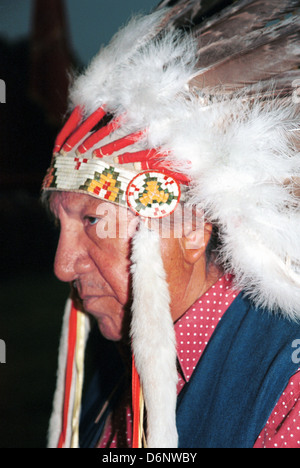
(240, 377)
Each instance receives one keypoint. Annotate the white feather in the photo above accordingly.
(240, 156)
(93, 89)
(154, 77)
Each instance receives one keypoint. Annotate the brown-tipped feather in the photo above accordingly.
(191, 12)
(251, 66)
(242, 43)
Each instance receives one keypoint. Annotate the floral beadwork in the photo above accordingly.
(153, 194)
(105, 185)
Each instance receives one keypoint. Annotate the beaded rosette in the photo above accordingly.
(153, 194)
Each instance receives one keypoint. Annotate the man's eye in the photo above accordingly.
(91, 220)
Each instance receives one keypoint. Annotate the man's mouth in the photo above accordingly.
(89, 290)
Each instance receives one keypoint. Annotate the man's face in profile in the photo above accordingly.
(94, 252)
(100, 267)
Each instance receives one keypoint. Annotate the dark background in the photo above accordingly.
(40, 41)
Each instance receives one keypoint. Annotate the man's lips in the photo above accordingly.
(90, 303)
(90, 297)
(90, 291)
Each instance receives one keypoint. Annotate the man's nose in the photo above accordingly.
(71, 258)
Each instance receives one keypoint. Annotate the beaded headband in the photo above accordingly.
(147, 186)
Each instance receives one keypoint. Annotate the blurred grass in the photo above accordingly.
(30, 321)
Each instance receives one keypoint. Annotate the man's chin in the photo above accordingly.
(110, 331)
(109, 314)
(111, 326)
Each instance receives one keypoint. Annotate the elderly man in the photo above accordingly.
(179, 216)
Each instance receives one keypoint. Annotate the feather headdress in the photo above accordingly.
(202, 97)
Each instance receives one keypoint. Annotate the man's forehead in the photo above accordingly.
(75, 203)
(69, 200)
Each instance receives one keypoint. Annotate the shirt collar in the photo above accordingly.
(194, 329)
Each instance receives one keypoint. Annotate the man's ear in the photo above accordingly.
(195, 242)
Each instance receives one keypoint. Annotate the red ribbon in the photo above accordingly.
(69, 373)
(136, 390)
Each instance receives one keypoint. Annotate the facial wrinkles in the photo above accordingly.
(109, 274)
(112, 264)
(100, 267)
(70, 252)
(95, 281)
(111, 255)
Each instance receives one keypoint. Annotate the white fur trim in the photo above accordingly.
(153, 335)
(55, 425)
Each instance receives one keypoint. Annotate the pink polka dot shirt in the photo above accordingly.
(193, 332)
